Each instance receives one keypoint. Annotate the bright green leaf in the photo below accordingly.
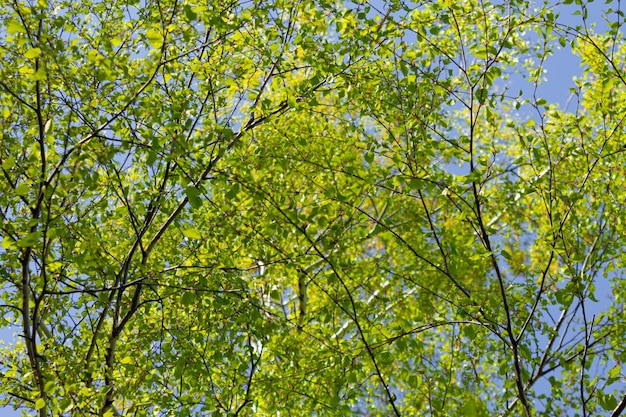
(155, 38)
(14, 26)
(40, 403)
(32, 53)
(192, 233)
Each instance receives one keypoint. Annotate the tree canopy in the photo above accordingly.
(281, 207)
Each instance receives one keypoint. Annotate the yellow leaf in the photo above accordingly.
(8, 243)
(127, 360)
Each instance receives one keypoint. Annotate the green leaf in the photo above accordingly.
(50, 387)
(189, 13)
(8, 242)
(193, 194)
(482, 94)
(607, 401)
(188, 298)
(29, 240)
(613, 375)
(155, 38)
(66, 405)
(233, 191)
(469, 331)
(564, 296)
(8, 163)
(40, 403)
(40, 75)
(14, 26)
(22, 189)
(192, 233)
(32, 53)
